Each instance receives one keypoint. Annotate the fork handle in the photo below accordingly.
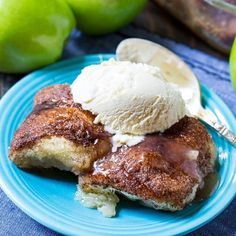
(225, 132)
(208, 118)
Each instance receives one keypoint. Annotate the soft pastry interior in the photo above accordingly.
(58, 133)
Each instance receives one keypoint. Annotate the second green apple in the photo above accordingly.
(97, 17)
(233, 64)
(32, 33)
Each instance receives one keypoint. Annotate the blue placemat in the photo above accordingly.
(211, 71)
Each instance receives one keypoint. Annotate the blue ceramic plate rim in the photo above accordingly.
(51, 223)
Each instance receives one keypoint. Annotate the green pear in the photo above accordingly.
(32, 33)
(97, 17)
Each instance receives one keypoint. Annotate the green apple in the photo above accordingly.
(97, 17)
(233, 64)
(32, 33)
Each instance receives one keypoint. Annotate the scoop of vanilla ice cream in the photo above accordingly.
(129, 98)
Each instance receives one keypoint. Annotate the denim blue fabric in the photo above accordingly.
(211, 71)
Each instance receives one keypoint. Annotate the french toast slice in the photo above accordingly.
(58, 133)
(164, 171)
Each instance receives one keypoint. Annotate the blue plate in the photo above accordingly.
(49, 197)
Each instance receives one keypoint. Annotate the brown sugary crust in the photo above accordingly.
(58, 95)
(147, 170)
(55, 114)
(191, 132)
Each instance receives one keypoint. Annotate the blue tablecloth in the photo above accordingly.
(211, 71)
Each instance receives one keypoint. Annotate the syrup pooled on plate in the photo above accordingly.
(211, 183)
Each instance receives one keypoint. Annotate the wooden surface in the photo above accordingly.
(6, 81)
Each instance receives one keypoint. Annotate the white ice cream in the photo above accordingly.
(128, 98)
(118, 140)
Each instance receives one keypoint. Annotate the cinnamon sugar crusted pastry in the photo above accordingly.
(164, 171)
(58, 133)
